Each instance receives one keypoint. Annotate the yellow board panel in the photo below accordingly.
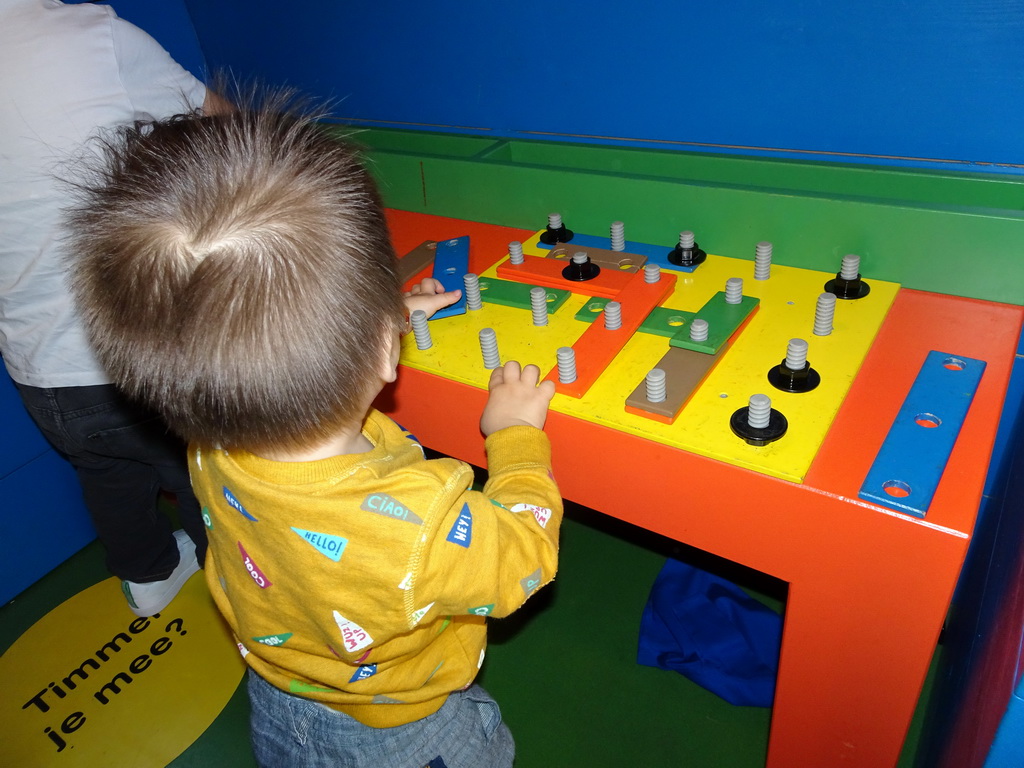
(786, 311)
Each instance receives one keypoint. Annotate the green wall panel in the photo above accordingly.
(960, 234)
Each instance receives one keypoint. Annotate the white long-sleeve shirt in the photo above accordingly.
(67, 72)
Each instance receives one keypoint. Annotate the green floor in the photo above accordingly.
(563, 668)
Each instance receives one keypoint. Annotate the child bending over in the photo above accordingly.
(235, 272)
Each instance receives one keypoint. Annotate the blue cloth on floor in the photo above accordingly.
(712, 632)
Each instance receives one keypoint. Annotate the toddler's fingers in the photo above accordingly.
(547, 388)
(531, 375)
(427, 285)
(431, 302)
(512, 370)
(497, 377)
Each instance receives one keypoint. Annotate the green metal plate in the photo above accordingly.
(513, 294)
(662, 321)
(723, 320)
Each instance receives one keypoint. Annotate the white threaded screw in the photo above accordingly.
(699, 330)
(420, 329)
(612, 316)
(734, 290)
(618, 236)
(652, 273)
(759, 411)
(555, 220)
(850, 268)
(656, 386)
(580, 257)
(686, 239)
(515, 252)
(489, 348)
(796, 354)
(539, 305)
(824, 312)
(566, 365)
(763, 260)
(471, 283)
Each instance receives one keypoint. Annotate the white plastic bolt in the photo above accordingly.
(554, 220)
(471, 283)
(824, 313)
(796, 354)
(652, 273)
(763, 260)
(734, 290)
(656, 386)
(850, 268)
(759, 411)
(420, 329)
(539, 305)
(489, 348)
(612, 316)
(699, 330)
(566, 365)
(686, 239)
(618, 236)
(515, 252)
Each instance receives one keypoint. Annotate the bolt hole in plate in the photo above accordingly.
(896, 488)
(922, 436)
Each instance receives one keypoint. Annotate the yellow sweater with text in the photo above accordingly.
(363, 581)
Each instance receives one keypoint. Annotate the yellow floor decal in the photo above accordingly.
(92, 685)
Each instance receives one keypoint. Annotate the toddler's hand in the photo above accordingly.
(516, 398)
(429, 295)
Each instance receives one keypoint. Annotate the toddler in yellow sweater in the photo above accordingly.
(235, 272)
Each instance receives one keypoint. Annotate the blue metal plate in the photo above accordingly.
(913, 456)
(451, 262)
(656, 254)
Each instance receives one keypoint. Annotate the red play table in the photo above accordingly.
(868, 587)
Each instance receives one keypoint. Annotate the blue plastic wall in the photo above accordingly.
(985, 629)
(866, 79)
(928, 84)
(169, 22)
(43, 520)
(1008, 747)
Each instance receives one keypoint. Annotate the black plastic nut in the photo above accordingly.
(587, 270)
(551, 235)
(777, 426)
(803, 380)
(687, 257)
(847, 289)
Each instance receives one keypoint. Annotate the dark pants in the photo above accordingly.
(124, 456)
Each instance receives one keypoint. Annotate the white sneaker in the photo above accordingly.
(152, 597)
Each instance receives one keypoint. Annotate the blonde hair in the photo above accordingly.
(235, 272)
